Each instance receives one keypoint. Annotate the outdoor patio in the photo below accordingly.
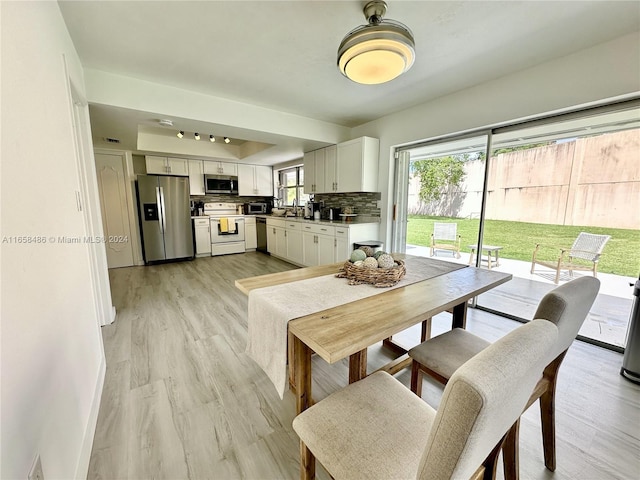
(609, 317)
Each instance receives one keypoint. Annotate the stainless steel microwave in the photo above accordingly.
(256, 207)
(221, 184)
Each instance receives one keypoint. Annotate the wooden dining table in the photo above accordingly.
(348, 330)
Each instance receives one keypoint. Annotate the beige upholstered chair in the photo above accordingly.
(445, 237)
(566, 306)
(377, 429)
(584, 254)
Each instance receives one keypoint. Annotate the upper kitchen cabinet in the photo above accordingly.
(255, 180)
(196, 177)
(167, 165)
(357, 165)
(314, 171)
(220, 168)
(330, 169)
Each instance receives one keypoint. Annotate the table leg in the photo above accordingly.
(459, 316)
(497, 258)
(489, 259)
(473, 251)
(302, 359)
(358, 366)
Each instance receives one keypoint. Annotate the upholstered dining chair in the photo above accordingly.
(567, 307)
(377, 429)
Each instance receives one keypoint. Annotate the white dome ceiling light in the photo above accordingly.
(377, 52)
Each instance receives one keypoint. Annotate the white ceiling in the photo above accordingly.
(282, 55)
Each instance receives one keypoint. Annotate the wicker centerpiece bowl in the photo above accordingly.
(379, 269)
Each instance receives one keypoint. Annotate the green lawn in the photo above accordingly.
(621, 254)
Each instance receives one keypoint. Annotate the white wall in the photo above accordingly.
(52, 362)
(605, 71)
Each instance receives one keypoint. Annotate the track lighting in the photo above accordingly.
(227, 140)
(196, 136)
(180, 134)
(212, 138)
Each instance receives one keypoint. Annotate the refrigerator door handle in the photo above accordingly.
(160, 203)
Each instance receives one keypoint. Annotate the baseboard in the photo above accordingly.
(87, 443)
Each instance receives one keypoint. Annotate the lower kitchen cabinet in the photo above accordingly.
(276, 239)
(293, 235)
(250, 233)
(202, 228)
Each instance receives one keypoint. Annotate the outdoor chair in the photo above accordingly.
(445, 237)
(377, 429)
(567, 307)
(584, 254)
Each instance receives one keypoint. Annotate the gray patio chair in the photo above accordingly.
(584, 254)
(445, 237)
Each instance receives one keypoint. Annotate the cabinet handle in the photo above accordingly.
(285, 233)
(323, 229)
(335, 242)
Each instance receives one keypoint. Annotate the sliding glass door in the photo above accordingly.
(550, 183)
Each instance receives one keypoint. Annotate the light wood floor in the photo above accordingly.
(182, 401)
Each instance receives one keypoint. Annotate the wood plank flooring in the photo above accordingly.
(182, 401)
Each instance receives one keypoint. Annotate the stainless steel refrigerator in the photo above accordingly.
(165, 217)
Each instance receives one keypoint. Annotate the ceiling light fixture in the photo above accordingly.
(165, 122)
(377, 52)
(212, 138)
(180, 134)
(227, 140)
(196, 136)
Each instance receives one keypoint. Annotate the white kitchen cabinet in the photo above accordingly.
(342, 248)
(250, 233)
(220, 168)
(202, 228)
(293, 234)
(276, 238)
(196, 177)
(318, 244)
(357, 165)
(255, 180)
(330, 169)
(166, 165)
(314, 175)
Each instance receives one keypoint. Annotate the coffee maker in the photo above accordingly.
(310, 209)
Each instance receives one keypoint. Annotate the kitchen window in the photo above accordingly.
(292, 187)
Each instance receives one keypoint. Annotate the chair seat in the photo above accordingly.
(446, 353)
(377, 412)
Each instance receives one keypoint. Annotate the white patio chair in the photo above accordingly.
(445, 237)
(584, 254)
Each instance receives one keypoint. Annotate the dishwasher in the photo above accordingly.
(261, 231)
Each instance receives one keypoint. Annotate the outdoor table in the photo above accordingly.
(493, 254)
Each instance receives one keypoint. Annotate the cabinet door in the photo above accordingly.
(178, 166)
(203, 239)
(309, 249)
(271, 240)
(281, 242)
(349, 171)
(326, 249)
(246, 180)
(156, 165)
(211, 168)
(294, 246)
(320, 186)
(343, 249)
(263, 180)
(309, 172)
(330, 169)
(250, 236)
(228, 168)
(196, 177)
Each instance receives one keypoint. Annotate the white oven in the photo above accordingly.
(227, 228)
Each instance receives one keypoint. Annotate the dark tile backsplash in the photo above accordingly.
(362, 203)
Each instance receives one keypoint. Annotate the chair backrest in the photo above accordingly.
(483, 399)
(445, 231)
(589, 246)
(567, 306)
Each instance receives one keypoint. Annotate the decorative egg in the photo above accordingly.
(359, 263)
(357, 255)
(378, 253)
(367, 250)
(370, 262)
(386, 261)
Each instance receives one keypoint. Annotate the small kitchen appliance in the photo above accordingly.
(221, 184)
(310, 209)
(255, 207)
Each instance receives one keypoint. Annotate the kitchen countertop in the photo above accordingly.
(353, 220)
